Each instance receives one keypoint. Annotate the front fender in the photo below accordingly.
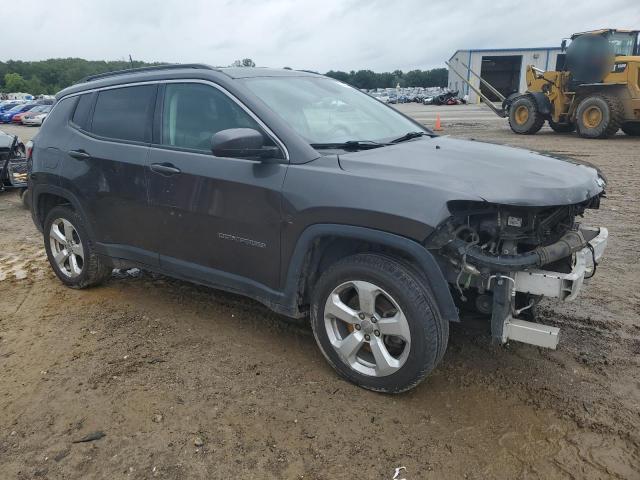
(424, 260)
(542, 101)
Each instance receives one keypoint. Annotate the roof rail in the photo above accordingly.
(169, 66)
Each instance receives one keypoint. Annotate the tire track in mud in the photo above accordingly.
(28, 263)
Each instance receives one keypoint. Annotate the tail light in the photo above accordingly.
(29, 149)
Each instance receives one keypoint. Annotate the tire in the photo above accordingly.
(82, 267)
(416, 316)
(524, 117)
(26, 200)
(599, 116)
(562, 127)
(632, 129)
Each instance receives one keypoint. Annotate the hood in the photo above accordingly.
(472, 170)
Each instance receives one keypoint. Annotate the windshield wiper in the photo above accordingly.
(350, 145)
(409, 136)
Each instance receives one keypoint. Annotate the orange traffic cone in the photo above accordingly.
(438, 127)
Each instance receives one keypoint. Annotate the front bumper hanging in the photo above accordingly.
(564, 286)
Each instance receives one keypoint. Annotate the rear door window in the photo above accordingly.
(125, 113)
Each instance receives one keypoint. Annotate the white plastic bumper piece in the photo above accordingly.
(564, 286)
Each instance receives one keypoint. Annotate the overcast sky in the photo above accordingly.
(303, 34)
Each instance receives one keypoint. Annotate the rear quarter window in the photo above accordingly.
(125, 113)
(60, 113)
(83, 107)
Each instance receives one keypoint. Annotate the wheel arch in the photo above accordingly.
(617, 90)
(541, 100)
(322, 245)
(45, 197)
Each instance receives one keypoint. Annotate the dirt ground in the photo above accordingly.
(187, 382)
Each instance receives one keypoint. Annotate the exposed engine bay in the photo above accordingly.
(502, 259)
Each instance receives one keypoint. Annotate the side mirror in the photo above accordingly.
(244, 143)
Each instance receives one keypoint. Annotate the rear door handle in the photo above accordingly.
(79, 154)
(165, 168)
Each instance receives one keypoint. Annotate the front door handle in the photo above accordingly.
(164, 168)
(79, 154)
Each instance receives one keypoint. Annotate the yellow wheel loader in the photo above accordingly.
(596, 92)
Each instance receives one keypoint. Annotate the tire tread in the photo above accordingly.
(432, 326)
(97, 269)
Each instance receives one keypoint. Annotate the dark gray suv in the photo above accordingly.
(316, 200)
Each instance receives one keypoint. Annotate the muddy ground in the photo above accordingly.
(187, 382)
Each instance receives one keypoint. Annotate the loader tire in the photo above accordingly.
(599, 116)
(562, 127)
(524, 116)
(631, 128)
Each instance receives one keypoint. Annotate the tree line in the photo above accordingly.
(369, 79)
(51, 76)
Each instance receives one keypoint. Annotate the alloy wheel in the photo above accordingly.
(367, 328)
(66, 247)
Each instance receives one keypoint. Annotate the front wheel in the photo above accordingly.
(377, 324)
(524, 116)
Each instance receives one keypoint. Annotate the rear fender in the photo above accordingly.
(42, 189)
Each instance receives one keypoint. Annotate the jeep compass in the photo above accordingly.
(318, 201)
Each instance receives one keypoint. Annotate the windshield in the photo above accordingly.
(623, 44)
(323, 110)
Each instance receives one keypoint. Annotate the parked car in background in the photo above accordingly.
(36, 116)
(17, 118)
(7, 115)
(8, 105)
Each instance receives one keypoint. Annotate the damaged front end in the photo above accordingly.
(13, 164)
(502, 259)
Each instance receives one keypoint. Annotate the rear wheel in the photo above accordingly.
(377, 324)
(26, 200)
(524, 117)
(632, 129)
(599, 116)
(70, 250)
(562, 127)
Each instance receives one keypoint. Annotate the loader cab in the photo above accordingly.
(623, 43)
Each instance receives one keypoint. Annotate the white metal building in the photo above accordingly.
(503, 68)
